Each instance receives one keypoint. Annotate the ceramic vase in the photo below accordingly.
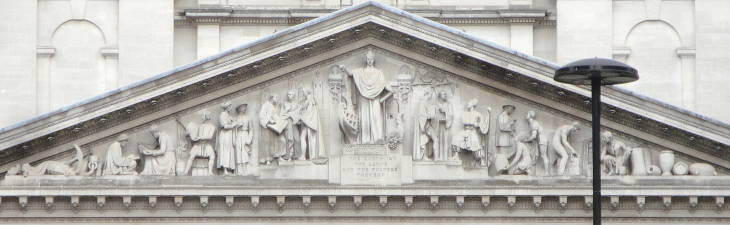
(666, 161)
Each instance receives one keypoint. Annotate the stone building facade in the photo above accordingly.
(63, 52)
(366, 115)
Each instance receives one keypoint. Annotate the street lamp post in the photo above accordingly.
(596, 72)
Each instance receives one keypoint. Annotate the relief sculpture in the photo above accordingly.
(226, 153)
(312, 144)
(116, 163)
(201, 137)
(505, 137)
(371, 94)
(614, 155)
(72, 167)
(522, 160)
(159, 160)
(243, 140)
(562, 146)
(290, 114)
(396, 126)
(425, 140)
(539, 140)
(272, 137)
(469, 140)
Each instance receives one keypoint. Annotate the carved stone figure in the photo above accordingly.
(444, 118)
(522, 160)
(57, 168)
(469, 139)
(271, 137)
(617, 157)
(562, 146)
(310, 137)
(116, 163)
(243, 140)
(538, 139)
(290, 112)
(371, 85)
(224, 146)
(159, 160)
(425, 138)
(201, 137)
(504, 138)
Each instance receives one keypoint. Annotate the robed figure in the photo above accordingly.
(505, 136)
(431, 140)
(271, 120)
(116, 163)
(310, 137)
(290, 111)
(160, 160)
(201, 136)
(225, 143)
(243, 140)
(425, 138)
(469, 139)
(370, 83)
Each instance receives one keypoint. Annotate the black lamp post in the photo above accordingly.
(596, 72)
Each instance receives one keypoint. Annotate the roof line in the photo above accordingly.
(335, 14)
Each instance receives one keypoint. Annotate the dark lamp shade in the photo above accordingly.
(606, 70)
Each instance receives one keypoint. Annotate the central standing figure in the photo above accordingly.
(372, 93)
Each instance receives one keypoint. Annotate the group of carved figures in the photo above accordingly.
(618, 158)
(231, 154)
(229, 151)
(291, 130)
(515, 154)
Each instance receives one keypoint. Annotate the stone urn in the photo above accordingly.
(666, 161)
(653, 171)
(680, 168)
(702, 169)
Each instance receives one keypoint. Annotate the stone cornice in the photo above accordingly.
(251, 201)
(230, 16)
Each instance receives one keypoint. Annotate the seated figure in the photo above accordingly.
(116, 163)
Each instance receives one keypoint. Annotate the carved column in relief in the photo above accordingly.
(562, 146)
(159, 160)
(243, 140)
(116, 163)
(444, 118)
(347, 118)
(201, 137)
(505, 136)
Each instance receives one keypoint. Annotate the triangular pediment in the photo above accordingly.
(406, 121)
